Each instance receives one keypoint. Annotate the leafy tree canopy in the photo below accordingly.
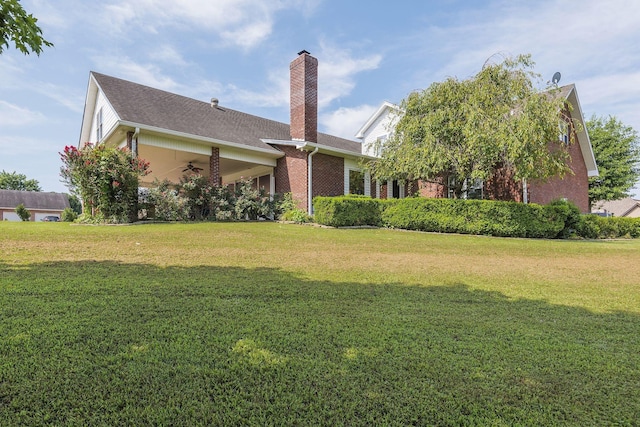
(467, 129)
(17, 181)
(21, 28)
(616, 148)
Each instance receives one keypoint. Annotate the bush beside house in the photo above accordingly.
(559, 219)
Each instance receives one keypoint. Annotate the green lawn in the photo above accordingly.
(275, 324)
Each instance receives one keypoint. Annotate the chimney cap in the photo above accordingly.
(303, 51)
(214, 102)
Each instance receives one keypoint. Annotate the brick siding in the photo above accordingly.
(328, 175)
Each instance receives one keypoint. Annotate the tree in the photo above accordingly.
(468, 129)
(105, 179)
(17, 181)
(616, 148)
(21, 28)
(74, 203)
(23, 212)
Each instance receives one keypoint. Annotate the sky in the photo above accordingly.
(239, 52)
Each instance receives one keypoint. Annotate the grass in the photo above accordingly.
(273, 324)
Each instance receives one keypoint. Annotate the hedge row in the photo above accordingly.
(347, 211)
(597, 227)
(558, 219)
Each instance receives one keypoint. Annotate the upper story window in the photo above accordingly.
(99, 125)
(564, 133)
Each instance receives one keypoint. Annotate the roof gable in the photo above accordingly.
(136, 104)
(571, 95)
(383, 110)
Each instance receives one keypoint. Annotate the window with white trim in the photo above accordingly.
(99, 125)
(356, 182)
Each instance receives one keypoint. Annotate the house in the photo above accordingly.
(40, 204)
(624, 207)
(179, 135)
(574, 186)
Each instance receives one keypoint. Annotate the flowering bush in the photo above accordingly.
(105, 179)
(167, 204)
(252, 203)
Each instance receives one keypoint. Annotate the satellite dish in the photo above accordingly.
(556, 78)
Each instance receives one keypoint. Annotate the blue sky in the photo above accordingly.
(239, 52)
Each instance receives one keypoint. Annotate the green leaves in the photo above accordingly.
(616, 148)
(21, 28)
(18, 181)
(105, 178)
(470, 128)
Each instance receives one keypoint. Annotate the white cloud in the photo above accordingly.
(130, 69)
(345, 122)
(244, 23)
(14, 115)
(337, 69)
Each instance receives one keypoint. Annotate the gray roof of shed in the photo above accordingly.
(33, 200)
(145, 105)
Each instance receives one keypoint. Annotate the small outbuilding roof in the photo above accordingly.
(10, 199)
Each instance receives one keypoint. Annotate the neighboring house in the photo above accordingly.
(574, 186)
(39, 203)
(178, 135)
(624, 207)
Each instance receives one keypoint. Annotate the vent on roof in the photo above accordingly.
(214, 102)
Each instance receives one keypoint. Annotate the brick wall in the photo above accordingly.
(291, 175)
(574, 186)
(433, 189)
(502, 186)
(328, 175)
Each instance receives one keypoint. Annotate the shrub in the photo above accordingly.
(286, 209)
(23, 212)
(597, 227)
(165, 204)
(252, 203)
(106, 179)
(488, 217)
(69, 215)
(345, 211)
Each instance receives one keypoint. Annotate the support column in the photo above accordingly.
(132, 143)
(214, 166)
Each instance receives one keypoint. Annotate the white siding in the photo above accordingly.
(349, 165)
(380, 128)
(109, 118)
(173, 144)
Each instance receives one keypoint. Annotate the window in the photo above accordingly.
(564, 133)
(99, 125)
(471, 188)
(356, 182)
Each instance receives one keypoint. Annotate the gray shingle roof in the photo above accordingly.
(145, 105)
(33, 200)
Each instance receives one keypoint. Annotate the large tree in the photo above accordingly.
(21, 28)
(467, 129)
(17, 181)
(616, 148)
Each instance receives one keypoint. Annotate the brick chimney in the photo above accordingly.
(304, 97)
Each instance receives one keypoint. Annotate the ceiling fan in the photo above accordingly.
(192, 168)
